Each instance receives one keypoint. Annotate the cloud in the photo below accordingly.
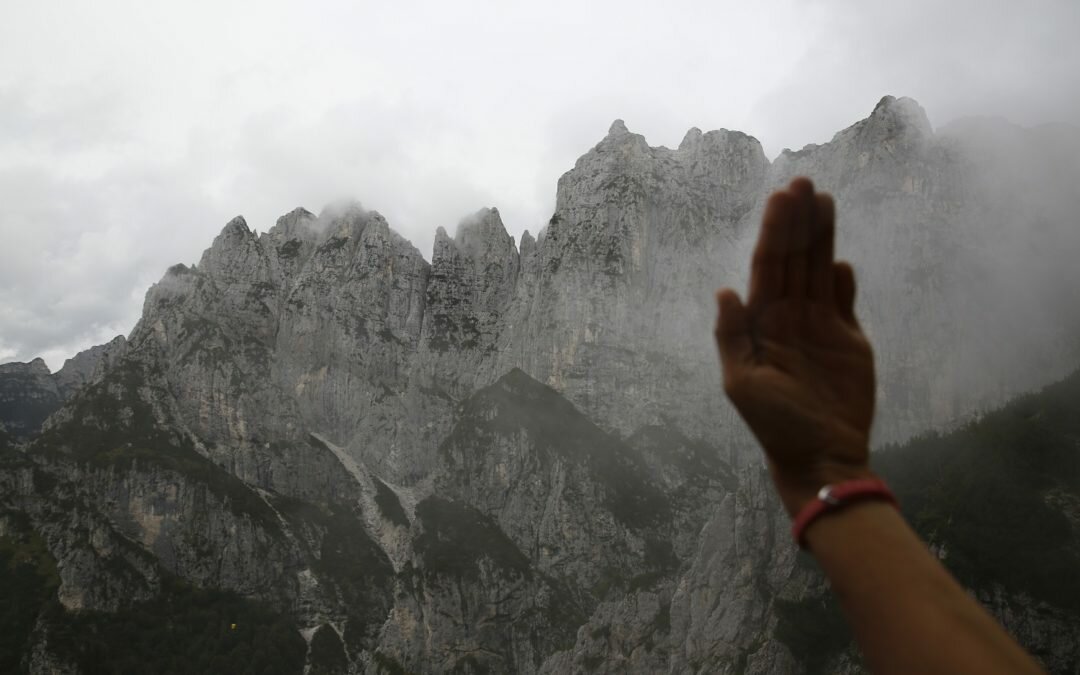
(960, 58)
(130, 132)
(78, 254)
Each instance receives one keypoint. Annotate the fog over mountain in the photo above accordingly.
(515, 456)
(129, 132)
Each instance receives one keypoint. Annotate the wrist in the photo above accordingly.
(798, 487)
(837, 497)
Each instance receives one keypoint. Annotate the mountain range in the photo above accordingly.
(317, 450)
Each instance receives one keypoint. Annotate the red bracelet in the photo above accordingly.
(834, 497)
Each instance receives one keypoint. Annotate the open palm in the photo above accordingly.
(796, 364)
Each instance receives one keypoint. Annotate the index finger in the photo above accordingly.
(821, 250)
(770, 254)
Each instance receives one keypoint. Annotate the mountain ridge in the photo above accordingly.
(517, 457)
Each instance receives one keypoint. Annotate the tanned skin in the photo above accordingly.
(800, 371)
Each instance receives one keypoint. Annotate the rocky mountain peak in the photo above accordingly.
(235, 256)
(88, 366)
(235, 233)
(887, 149)
(34, 367)
(624, 169)
(483, 233)
(617, 128)
(620, 142)
(480, 240)
(296, 224)
(176, 282)
(444, 247)
(527, 246)
(237, 227)
(344, 219)
(473, 277)
(691, 140)
(904, 112)
(894, 124)
(28, 395)
(30, 392)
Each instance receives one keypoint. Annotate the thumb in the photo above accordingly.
(844, 290)
(732, 331)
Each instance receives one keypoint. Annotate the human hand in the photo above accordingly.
(796, 364)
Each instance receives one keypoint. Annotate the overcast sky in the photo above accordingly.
(130, 132)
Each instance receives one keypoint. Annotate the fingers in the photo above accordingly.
(732, 332)
(793, 259)
(800, 228)
(770, 254)
(820, 272)
(844, 291)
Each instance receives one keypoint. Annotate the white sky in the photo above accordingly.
(130, 132)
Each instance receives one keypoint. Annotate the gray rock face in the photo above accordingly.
(88, 366)
(313, 320)
(619, 313)
(517, 458)
(30, 392)
(470, 289)
(28, 395)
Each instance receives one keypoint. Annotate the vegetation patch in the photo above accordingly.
(813, 629)
(333, 244)
(185, 630)
(388, 665)
(112, 426)
(470, 665)
(28, 582)
(349, 560)
(592, 662)
(447, 334)
(353, 560)
(980, 494)
(327, 653)
(456, 536)
(562, 615)
(290, 249)
(662, 620)
(609, 582)
(697, 460)
(23, 414)
(660, 563)
(516, 403)
(389, 504)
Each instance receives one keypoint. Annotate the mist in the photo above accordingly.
(130, 134)
(965, 241)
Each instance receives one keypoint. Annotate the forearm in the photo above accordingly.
(908, 613)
